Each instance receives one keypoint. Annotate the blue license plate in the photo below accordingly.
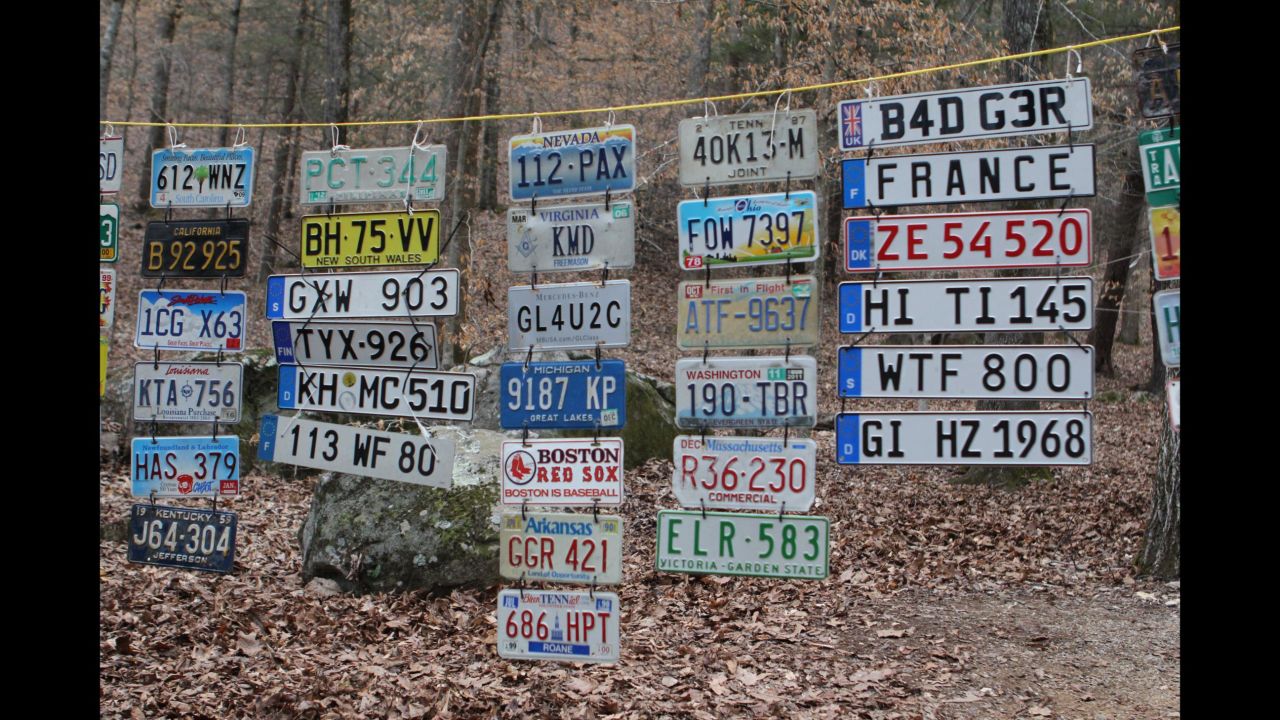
(182, 537)
(545, 395)
(190, 320)
(186, 466)
(573, 162)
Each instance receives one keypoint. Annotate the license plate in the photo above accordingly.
(110, 162)
(370, 391)
(746, 392)
(106, 298)
(102, 366)
(569, 315)
(956, 241)
(749, 230)
(565, 625)
(195, 248)
(203, 177)
(744, 473)
(357, 451)
(367, 344)
(545, 395)
(190, 320)
(970, 176)
(749, 148)
(561, 547)
(589, 236)
(1166, 242)
(573, 162)
(1174, 390)
(182, 538)
(1159, 80)
(1003, 437)
(721, 543)
(979, 305)
(361, 239)
(1169, 326)
(373, 175)
(108, 232)
(364, 295)
(187, 466)
(562, 472)
(1031, 372)
(992, 111)
(196, 392)
(750, 312)
(1161, 154)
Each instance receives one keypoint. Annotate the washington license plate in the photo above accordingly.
(373, 175)
(187, 466)
(363, 239)
(575, 394)
(108, 232)
(749, 148)
(1029, 372)
(195, 392)
(744, 473)
(569, 315)
(589, 236)
(566, 625)
(573, 162)
(190, 320)
(182, 537)
(749, 312)
(372, 391)
(367, 344)
(746, 392)
(196, 248)
(1004, 437)
(106, 298)
(721, 543)
(362, 294)
(204, 177)
(110, 162)
(365, 452)
(561, 547)
(980, 305)
(562, 472)
(749, 230)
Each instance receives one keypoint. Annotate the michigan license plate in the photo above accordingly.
(195, 248)
(589, 236)
(106, 298)
(373, 175)
(979, 305)
(573, 162)
(1003, 437)
(566, 625)
(561, 547)
(575, 394)
(190, 320)
(369, 344)
(110, 162)
(749, 312)
(363, 295)
(186, 466)
(204, 177)
(371, 391)
(744, 473)
(721, 543)
(749, 148)
(363, 239)
(108, 232)
(1028, 372)
(569, 315)
(195, 392)
(562, 472)
(749, 230)
(357, 451)
(182, 537)
(746, 392)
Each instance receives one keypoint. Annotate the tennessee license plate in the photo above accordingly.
(749, 312)
(203, 177)
(1030, 372)
(746, 392)
(721, 543)
(561, 547)
(566, 625)
(372, 391)
(195, 248)
(589, 236)
(182, 537)
(190, 320)
(1003, 437)
(187, 466)
(362, 239)
(562, 472)
(363, 294)
(108, 232)
(744, 473)
(569, 315)
(196, 392)
(749, 230)
(980, 305)
(106, 298)
(110, 162)
(576, 394)
(357, 451)
(371, 344)
(749, 148)
(373, 175)
(573, 162)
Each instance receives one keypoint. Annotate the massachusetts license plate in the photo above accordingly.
(721, 543)
(371, 391)
(368, 344)
(110, 162)
(182, 537)
(565, 625)
(363, 239)
(562, 472)
(187, 466)
(196, 248)
(589, 236)
(190, 320)
(1003, 437)
(744, 473)
(373, 175)
(749, 148)
(1166, 242)
(202, 177)
(1169, 326)
(569, 315)
(749, 230)
(363, 294)
(746, 392)
(575, 394)
(1031, 372)
(749, 312)
(357, 451)
(561, 547)
(1161, 157)
(106, 298)
(573, 162)
(195, 392)
(980, 305)
(108, 232)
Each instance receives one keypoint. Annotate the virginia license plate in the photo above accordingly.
(561, 547)
(749, 230)
(1166, 242)
(367, 344)
(589, 236)
(203, 177)
(573, 162)
(721, 543)
(1031, 372)
(576, 394)
(362, 239)
(108, 232)
(182, 537)
(195, 248)
(373, 175)
(187, 466)
(1003, 437)
(190, 320)
(1161, 157)
(363, 294)
(569, 315)
(746, 392)
(110, 162)
(749, 148)
(565, 625)
(744, 473)
(196, 392)
(370, 391)
(1169, 326)
(562, 472)
(357, 451)
(979, 305)
(106, 298)
(748, 312)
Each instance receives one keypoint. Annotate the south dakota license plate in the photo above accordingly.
(720, 543)
(188, 466)
(749, 230)
(573, 162)
(746, 392)
(190, 320)
(182, 538)
(196, 392)
(203, 177)
(748, 312)
(566, 625)
(576, 394)
(561, 547)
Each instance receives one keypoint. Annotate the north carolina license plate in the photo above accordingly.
(357, 451)
(373, 175)
(187, 466)
(108, 232)
(1030, 372)
(569, 315)
(1161, 158)
(190, 320)
(370, 344)
(1166, 242)
(195, 248)
(362, 294)
(748, 312)
(561, 547)
(978, 305)
(565, 625)
(106, 298)
(562, 472)
(370, 391)
(573, 162)
(744, 473)
(721, 543)
(202, 177)
(749, 148)
(749, 230)
(575, 394)
(110, 162)
(361, 239)
(196, 392)
(746, 392)
(1001, 437)
(182, 537)
(1169, 326)
(589, 236)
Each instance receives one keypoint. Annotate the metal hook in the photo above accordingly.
(524, 515)
(1071, 136)
(595, 509)
(704, 434)
(160, 286)
(871, 150)
(783, 510)
(520, 586)
(228, 209)
(533, 282)
(608, 190)
(708, 280)
(1057, 268)
(153, 497)
(592, 591)
(1070, 194)
(223, 290)
(703, 503)
(595, 441)
(859, 341)
(218, 360)
(1070, 337)
(524, 437)
(706, 349)
(598, 343)
(154, 427)
(215, 502)
(533, 204)
(168, 213)
(604, 276)
(788, 196)
(155, 361)
(706, 192)
(215, 428)
(787, 357)
(788, 270)
(528, 357)
(786, 435)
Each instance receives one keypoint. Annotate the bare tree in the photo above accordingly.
(700, 55)
(229, 75)
(1127, 217)
(281, 167)
(165, 27)
(489, 147)
(1131, 312)
(1161, 552)
(337, 82)
(104, 57)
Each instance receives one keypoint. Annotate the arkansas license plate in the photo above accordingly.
(1030, 372)
(746, 392)
(371, 391)
(749, 148)
(368, 344)
(1169, 326)
(569, 315)
(106, 298)
(573, 162)
(203, 177)
(1166, 242)
(182, 537)
(980, 305)
(561, 547)
(187, 466)
(362, 239)
(190, 320)
(363, 294)
(108, 232)
(373, 175)
(749, 230)
(110, 162)
(721, 543)
(1002, 437)
(196, 392)
(590, 236)
(748, 312)
(744, 473)
(562, 472)
(357, 451)
(195, 248)
(566, 625)
(545, 395)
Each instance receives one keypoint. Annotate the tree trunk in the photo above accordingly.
(337, 82)
(1155, 381)
(1131, 309)
(165, 27)
(492, 106)
(1128, 218)
(700, 57)
(1160, 554)
(229, 84)
(281, 168)
(104, 57)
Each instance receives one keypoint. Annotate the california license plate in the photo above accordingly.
(565, 625)
(203, 177)
(1004, 437)
(108, 232)
(721, 543)
(367, 344)
(425, 395)
(744, 473)
(362, 294)
(195, 392)
(749, 148)
(747, 312)
(562, 472)
(1029, 372)
(187, 466)
(190, 320)
(569, 315)
(570, 163)
(106, 298)
(561, 547)
(746, 392)
(575, 394)
(110, 162)
(588, 236)
(196, 248)
(364, 239)
(749, 230)
(365, 452)
(978, 305)
(373, 175)
(182, 537)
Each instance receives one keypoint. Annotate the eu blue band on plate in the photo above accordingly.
(850, 368)
(267, 438)
(283, 342)
(563, 395)
(848, 439)
(854, 191)
(858, 245)
(275, 297)
(851, 308)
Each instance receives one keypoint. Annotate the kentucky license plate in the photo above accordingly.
(182, 538)
(1001, 437)
(204, 177)
(749, 148)
(746, 392)
(744, 473)
(561, 547)
(562, 472)
(569, 315)
(187, 466)
(749, 230)
(106, 298)
(573, 162)
(566, 625)
(980, 305)
(721, 543)
(195, 248)
(108, 232)
(750, 312)
(373, 175)
(1029, 372)
(110, 162)
(575, 394)
(190, 320)
(365, 452)
(363, 294)
(369, 344)
(590, 236)
(196, 392)
(361, 239)
(371, 391)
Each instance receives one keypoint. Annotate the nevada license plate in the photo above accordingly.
(190, 320)
(749, 312)
(108, 232)
(1030, 372)
(357, 451)
(749, 230)
(203, 177)
(744, 473)
(106, 298)
(424, 395)
(373, 175)
(371, 344)
(363, 294)
(562, 472)
(746, 392)
(195, 248)
(749, 148)
(567, 625)
(1002, 437)
(187, 466)
(110, 162)
(196, 392)
(576, 394)
(1169, 325)
(979, 305)
(721, 543)
(561, 547)
(182, 538)
(572, 237)
(573, 162)
(569, 315)
(363, 239)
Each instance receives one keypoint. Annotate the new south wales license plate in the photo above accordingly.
(747, 312)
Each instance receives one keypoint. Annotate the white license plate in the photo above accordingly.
(1031, 437)
(749, 230)
(720, 543)
(190, 320)
(588, 236)
(749, 312)
(571, 163)
(1174, 390)
(202, 177)
(749, 148)
(369, 391)
(1169, 326)
(978, 305)
(565, 625)
(367, 344)
(1029, 372)
(365, 452)
(196, 392)
(185, 466)
(561, 547)
(110, 164)
(569, 315)
(372, 175)
(362, 294)
(746, 392)
(107, 298)
(744, 473)
(562, 472)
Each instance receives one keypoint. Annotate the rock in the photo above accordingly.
(322, 587)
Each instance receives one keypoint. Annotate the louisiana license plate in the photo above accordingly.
(561, 547)
(566, 625)
(186, 466)
(106, 298)
(573, 162)
(569, 315)
(744, 473)
(371, 344)
(721, 543)
(196, 248)
(1028, 372)
(204, 177)
(589, 236)
(371, 391)
(575, 394)
(979, 305)
(357, 451)
(1004, 437)
(195, 392)
(749, 312)
(749, 148)
(562, 472)
(182, 538)
(363, 239)
(110, 163)
(373, 175)
(749, 230)
(746, 392)
(108, 232)
(190, 320)
(363, 295)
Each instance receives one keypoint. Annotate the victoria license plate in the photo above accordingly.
(196, 392)
(190, 320)
(363, 294)
(573, 162)
(561, 547)
(575, 394)
(980, 305)
(589, 236)
(748, 312)
(373, 175)
(746, 392)
(110, 162)
(182, 537)
(368, 344)
(372, 391)
(749, 230)
(106, 298)
(566, 625)
(569, 315)
(203, 177)
(365, 452)
(1003, 437)
(195, 248)
(721, 543)
(108, 232)
(186, 466)
(744, 473)
(562, 472)
(363, 239)
(749, 148)
(1029, 372)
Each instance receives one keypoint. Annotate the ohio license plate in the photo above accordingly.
(1031, 372)
(566, 625)
(363, 294)
(569, 315)
(108, 232)
(744, 473)
(372, 391)
(746, 392)
(106, 298)
(576, 394)
(203, 177)
(196, 392)
(573, 162)
(367, 344)
(1169, 326)
(979, 305)
(110, 162)
(561, 547)
(373, 175)
(357, 451)
(1002, 437)
(1161, 157)
(190, 320)
(362, 239)
(589, 236)
(749, 230)
(721, 543)
(562, 472)
(748, 312)
(1166, 242)
(749, 148)
(182, 537)
(187, 466)
(195, 248)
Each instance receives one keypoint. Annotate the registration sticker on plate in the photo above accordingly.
(202, 177)
(182, 537)
(572, 237)
(1169, 326)
(721, 543)
(196, 248)
(106, 298)
(562, 472)
(372, 344)
(363, 239)
(110, 162)
(749, 230)
(108, 232)
(363, 294)
(561, 547)
(748, 312)
(565, 625)
(744, 473)
(195, 392)
(748, 148)
(425, 395)
(186, 466)
(373, 175)
(190, 320)
(569, 315)
(978, 305)
(575, 394)
(746, 392)
(357, 451)
(1000, 437)
(1029, 372)
(573, 162)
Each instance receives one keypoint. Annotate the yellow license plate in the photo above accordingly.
(365, 239)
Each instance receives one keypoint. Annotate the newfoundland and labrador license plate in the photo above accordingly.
(186, 466)
(721, 543)
(567, 625)
(746, 392)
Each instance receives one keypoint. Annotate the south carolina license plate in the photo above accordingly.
(590, 236)
(377, 344)
(576, 394)
(720, 543)
(562, 472)
(566, 625)
(106, 298)
(744, 473)
(362, 294)
(978, 305)
(371, 391)
(203, 177)
(569, 315)
(749, 230)
(1004, 437)
(195, 248)
(746, 392)
(749, 148)
(1029, 372)
(363, 239)
(190, 320)
(573, 162)
(373, 175)
(196, 392)
(188, 466)
(748, 312)
(357, 451)
(182, 537)
(561, 547)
